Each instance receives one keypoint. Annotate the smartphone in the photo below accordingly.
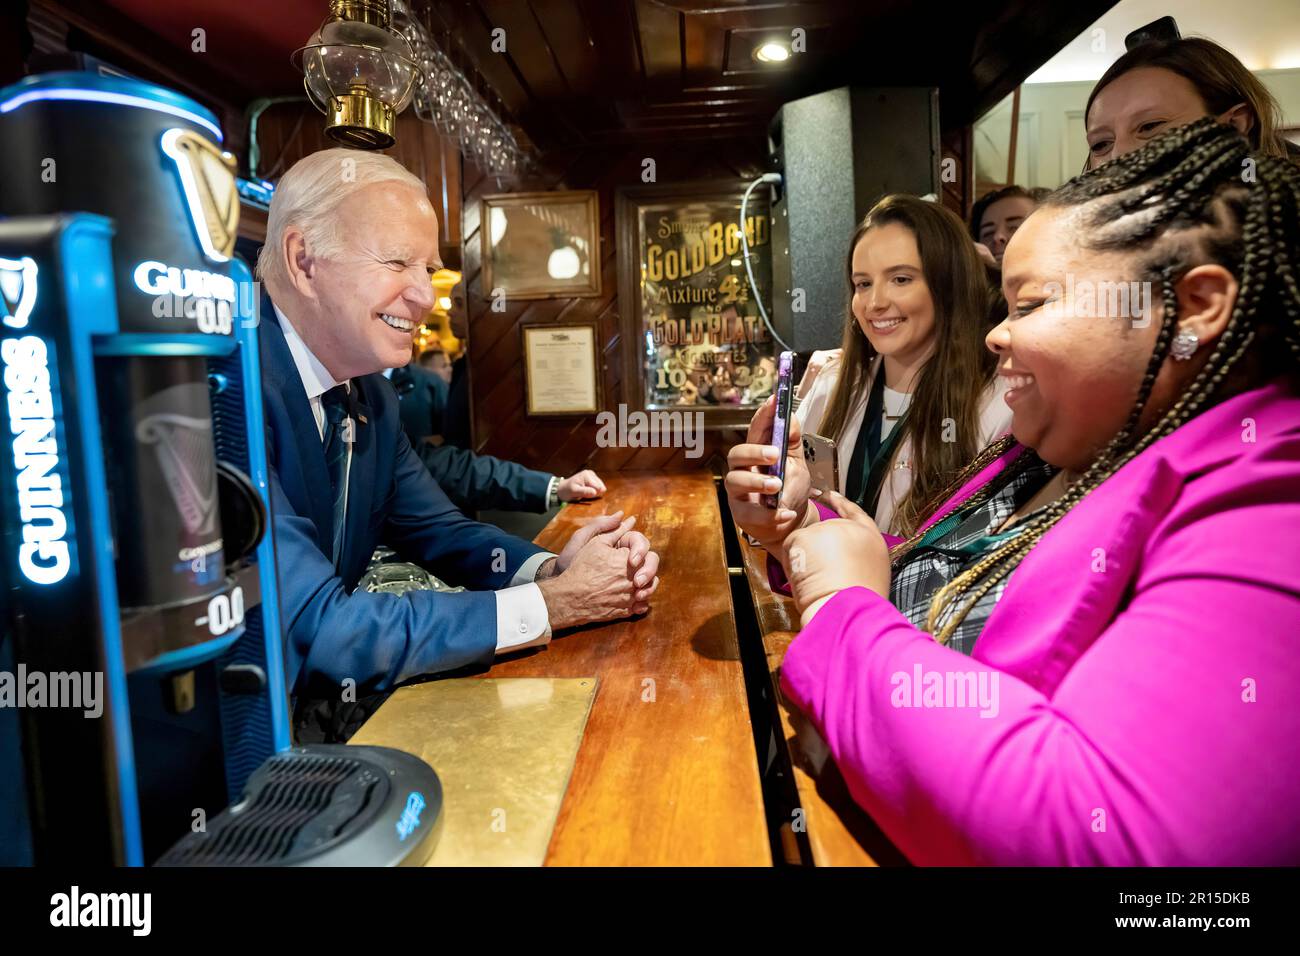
(823, 457)
(781, 424)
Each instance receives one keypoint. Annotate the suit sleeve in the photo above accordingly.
(480, 481)
(381, 640)
(1159, 746)
(425, 527)
(376, 640)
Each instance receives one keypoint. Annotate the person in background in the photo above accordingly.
(1115, 584)
(423, 396)
(761, 382)
(912, 397)
(702, 381)
(473, 481)
(725, 391)
(994, 219)
(456, 428)
(435, 360)
(345, 274)
(1161, 84)
(996, 216)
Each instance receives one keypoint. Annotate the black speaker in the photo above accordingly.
(839, 152)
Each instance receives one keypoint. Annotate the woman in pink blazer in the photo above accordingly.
(1090, 653)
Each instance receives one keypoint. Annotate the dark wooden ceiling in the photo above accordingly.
(581, 73)
(590, 72)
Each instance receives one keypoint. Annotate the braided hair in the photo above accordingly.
(1241, 210)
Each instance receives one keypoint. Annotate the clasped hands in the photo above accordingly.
(820, 558)
(606, 571)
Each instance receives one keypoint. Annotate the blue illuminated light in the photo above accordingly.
(43, 556)
(410, 818)
(208, 298)
(105, 96)
(18, 286)
(257, 192)
(157, 278)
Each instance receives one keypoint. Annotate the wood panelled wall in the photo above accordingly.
(287, 132)
(563, 445)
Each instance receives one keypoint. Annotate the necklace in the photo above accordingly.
(893, 415)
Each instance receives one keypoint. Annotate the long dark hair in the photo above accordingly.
(1145, 203)
(1219, 77)
(953, 381)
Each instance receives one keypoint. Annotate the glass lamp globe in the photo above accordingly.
(359, 73)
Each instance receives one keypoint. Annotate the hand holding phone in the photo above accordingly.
(822, 456)
(751, 480)
(781, 422)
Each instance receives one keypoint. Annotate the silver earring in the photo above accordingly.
(1185, 346)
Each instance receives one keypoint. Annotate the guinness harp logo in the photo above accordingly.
(17, 290)
(185, 456)
(208, 177)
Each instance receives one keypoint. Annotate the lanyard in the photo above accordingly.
(871, 455)
(978, 546)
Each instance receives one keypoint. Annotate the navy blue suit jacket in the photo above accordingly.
(424, 399)
(334, 633)
(471, 480)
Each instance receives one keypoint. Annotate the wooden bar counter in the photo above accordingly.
(666, 774)
(839, 831)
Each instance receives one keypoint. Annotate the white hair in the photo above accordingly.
(309, 194)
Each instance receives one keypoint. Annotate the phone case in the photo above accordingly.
(781, 423)
(822, 457)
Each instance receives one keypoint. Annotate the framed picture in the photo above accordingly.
(684, 297)
(541, 245)
(561, 369)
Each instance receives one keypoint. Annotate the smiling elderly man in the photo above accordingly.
(351, 242)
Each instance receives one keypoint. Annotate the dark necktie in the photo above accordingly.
(337, 403)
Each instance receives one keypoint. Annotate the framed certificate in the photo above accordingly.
(561, 368)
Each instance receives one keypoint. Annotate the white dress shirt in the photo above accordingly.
(522, 620)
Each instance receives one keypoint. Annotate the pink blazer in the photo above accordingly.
(1140, 674)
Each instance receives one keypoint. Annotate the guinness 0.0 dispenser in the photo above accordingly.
(134, 503)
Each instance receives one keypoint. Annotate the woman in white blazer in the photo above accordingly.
(918, 309)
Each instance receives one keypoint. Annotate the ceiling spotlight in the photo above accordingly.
(772, 51)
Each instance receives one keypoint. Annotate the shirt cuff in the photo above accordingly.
(527, 572)
(522, 620)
